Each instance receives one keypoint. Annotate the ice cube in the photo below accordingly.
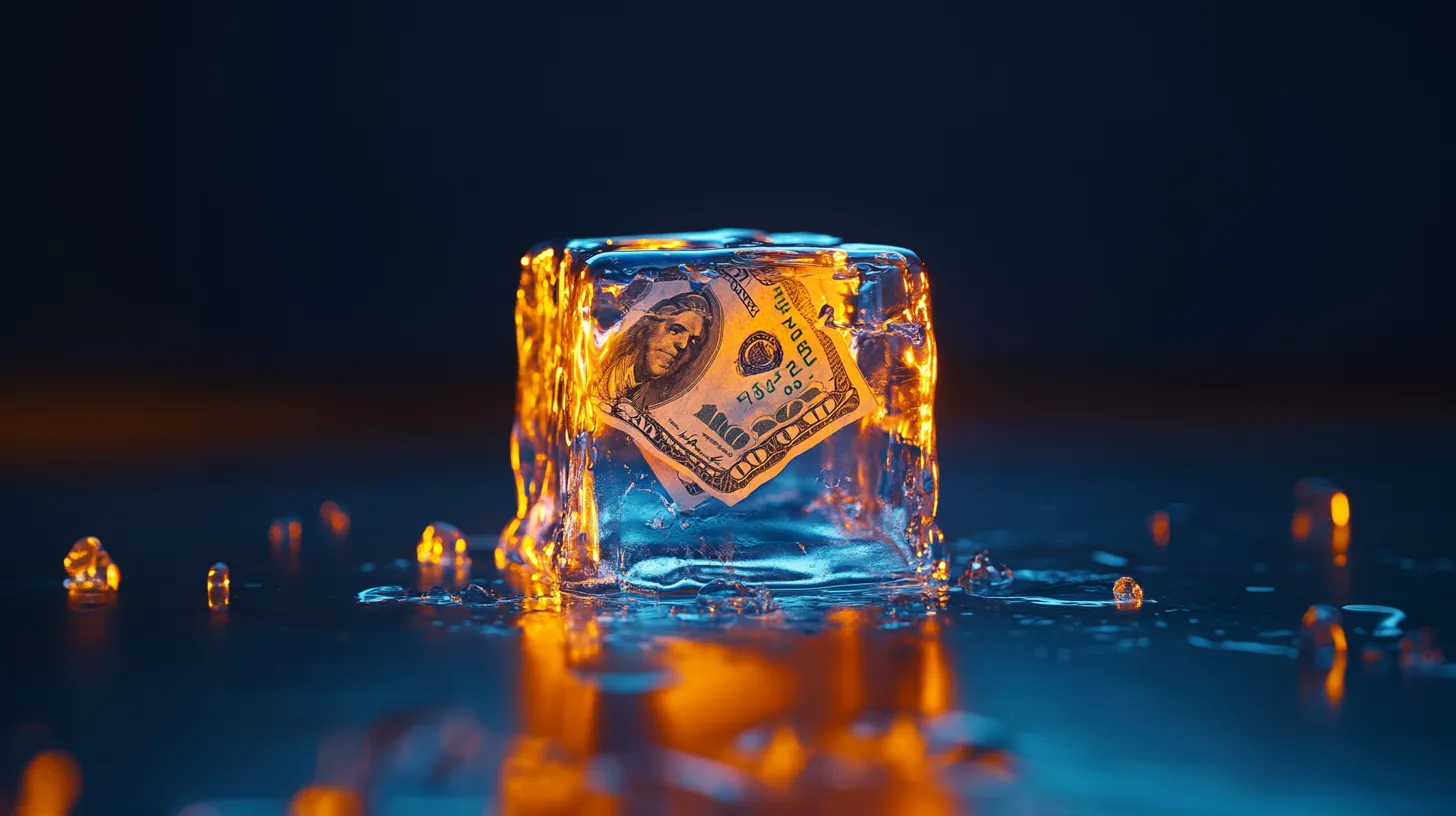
(775, 391)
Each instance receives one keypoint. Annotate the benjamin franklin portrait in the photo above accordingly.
(652, 361)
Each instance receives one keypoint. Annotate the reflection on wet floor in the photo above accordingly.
(848, 719)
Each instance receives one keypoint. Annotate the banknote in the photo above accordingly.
(723, 380)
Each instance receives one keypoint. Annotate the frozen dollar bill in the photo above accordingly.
(724, 380)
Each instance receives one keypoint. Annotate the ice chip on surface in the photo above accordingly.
(1127, 591)
(438, 595)
(775, 389)
(89, 567)
(733, 597)
(983, 576)
(441, 543)
(476, 595)
(219, 586)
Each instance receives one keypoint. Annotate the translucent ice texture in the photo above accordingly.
(591, 511)
(89, 567)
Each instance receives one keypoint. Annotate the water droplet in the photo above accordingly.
(384, 594)
(828, 478)
(441, 543)
(438, 596)
(89, 567)
(1127, 591)
(734, 596)
(476, 595)
(983, 576)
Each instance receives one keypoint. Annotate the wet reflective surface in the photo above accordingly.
(1275, 662)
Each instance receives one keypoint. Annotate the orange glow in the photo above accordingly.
(1340, 545)
(287, 531)
(89, 567)
(1340, 509)
(335, 518)
(324, 800)
(942, 571)
(1299, 526)
(49, 786)
(1159, 527)
(783, 760)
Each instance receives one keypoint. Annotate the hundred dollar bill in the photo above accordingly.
(722, 382)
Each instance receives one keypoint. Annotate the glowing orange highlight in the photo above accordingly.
(323, 800)
(1159, 528)
(49, 786)
(1340, 509)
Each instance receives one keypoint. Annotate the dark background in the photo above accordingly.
(300, 218)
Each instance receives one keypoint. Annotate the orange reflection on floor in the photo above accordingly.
(1340, 545)
(838, 721)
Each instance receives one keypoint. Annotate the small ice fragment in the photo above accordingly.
(441, 543)
(982, 576)
(438, 596)
(335, 518)
(734, 596)
(1109, 559)
(476, 595)
(285, 532)
(1127, 591)
(219, 586)
(910, 605)
(89, 567)
(1258, 589)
